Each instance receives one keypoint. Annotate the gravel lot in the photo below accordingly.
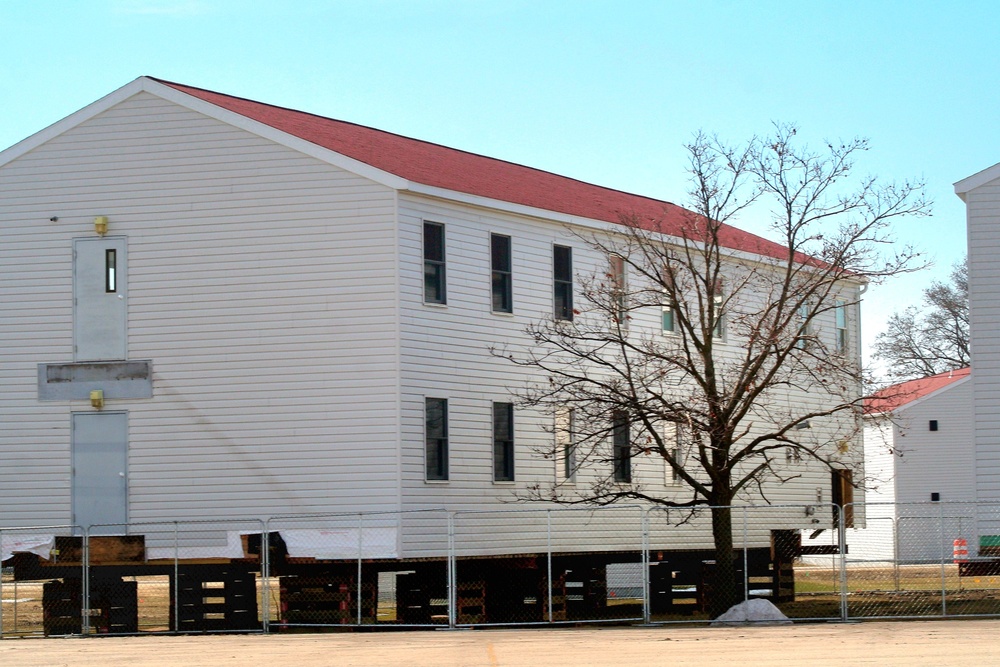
(963, 642)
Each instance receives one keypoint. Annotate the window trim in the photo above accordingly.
(670, 309)
(506, 276)
(621, 447)
(842, 334)
(718, 303)
(110, 270)
(565, 437)
(672, 438)
(804, 332)
(444, 449)
(618, 284)
(439, 264)
(566, 283)
(503, 448)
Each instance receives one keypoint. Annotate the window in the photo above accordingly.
(503, 442)
(672, 437)
(802, 339)
(434, 270)
(669, 321)
(565, 444)
(436, 430)
(719, 331)
(562, 279)
(622, 448)
(110, 268)
(500, 262)
(842, 336)
(616, 275)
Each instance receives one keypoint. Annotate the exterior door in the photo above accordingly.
(100, 295)
(100, 466)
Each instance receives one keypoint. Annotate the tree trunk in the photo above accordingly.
(724, 591)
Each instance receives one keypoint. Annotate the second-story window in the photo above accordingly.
(434, 267)
(562, 282)
(616, 276)
(840, 312)
(718, 314)
(804, 330)
(669, 315)
(500, 263)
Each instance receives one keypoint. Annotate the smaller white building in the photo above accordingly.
(920, 469)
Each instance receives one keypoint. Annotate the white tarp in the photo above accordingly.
(757, 612)
(232, 549)
(11, 543)
(341, 543)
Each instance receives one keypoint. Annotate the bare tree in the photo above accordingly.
(744, 376)
(926, 341)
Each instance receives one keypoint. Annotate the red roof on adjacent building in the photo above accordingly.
(898, 395)
(439, 166)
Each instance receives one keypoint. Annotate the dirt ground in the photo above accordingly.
(911, 643)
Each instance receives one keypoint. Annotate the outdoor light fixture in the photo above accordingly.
(97, 398)
(101, 225)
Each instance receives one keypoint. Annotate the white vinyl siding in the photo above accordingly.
(983, 217)
(262, 288)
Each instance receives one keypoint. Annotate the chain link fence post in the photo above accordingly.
(177, 579)
(842, 539)
(548, 561)
(451, 573)
(944, 575)
(646, 611)
(85, 625)
(265, 575)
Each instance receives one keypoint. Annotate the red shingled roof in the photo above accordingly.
(903, 393)
(439, 166)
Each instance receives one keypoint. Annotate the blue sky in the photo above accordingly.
(607, 92)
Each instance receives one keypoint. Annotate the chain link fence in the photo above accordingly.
(555, 565)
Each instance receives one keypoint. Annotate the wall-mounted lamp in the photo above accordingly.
(802, 425)
(97, 398)
(101, 225)
(843, 446)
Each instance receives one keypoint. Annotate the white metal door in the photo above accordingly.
(100, 296)
(100, 467)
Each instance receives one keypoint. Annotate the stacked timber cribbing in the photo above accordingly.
(321, 596)
(113, 606)
(215, 598)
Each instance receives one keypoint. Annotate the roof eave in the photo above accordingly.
(69, 122)
(978, 179)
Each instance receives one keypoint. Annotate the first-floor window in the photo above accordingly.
(672, 436)
(565, 446)
(503, 442)
(436, 430)
(622, 448)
